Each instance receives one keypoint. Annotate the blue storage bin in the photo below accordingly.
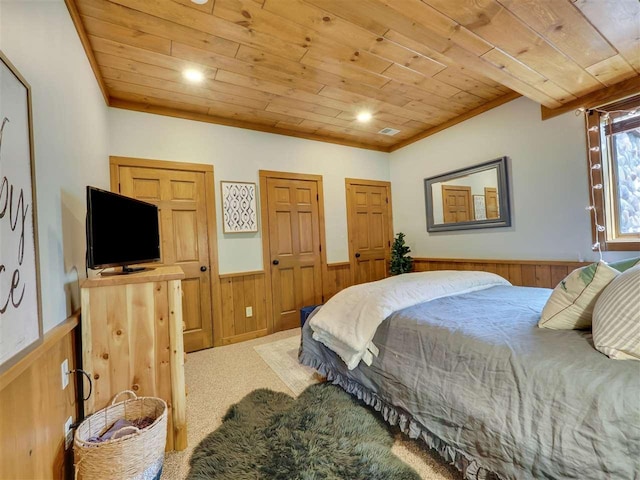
(305, 312)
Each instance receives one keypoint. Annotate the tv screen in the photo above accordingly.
(120, 230)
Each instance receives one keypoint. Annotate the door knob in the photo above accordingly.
(203, 268)
(357, 255)
(276, 262)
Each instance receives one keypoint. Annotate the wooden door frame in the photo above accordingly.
(209, 185)
(348, 183)
(266, 240)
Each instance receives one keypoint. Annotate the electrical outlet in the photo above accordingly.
(64, 371)
(249, 312)
(68, 433)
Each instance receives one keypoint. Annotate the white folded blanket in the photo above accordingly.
(347, 323)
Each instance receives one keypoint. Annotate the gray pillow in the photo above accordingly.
(626, 264)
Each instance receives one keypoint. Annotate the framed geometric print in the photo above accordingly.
(239, 211)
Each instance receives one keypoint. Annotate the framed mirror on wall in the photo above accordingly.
(469, 198)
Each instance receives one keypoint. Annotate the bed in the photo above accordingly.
(473, 376)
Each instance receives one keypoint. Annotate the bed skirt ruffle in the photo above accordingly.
(470, 467)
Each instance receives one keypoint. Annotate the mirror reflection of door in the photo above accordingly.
(491, 202)
(456, 202)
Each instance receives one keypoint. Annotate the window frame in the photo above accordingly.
(606, 202)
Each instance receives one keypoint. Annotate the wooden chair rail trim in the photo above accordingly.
(338, 264)
(502, 262)
(52, 337)
(261, 272)
(240, 274)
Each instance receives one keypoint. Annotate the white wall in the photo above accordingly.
(548, 184)
(237, 155)
(70, 139)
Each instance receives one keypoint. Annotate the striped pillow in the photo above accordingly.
(616, 317)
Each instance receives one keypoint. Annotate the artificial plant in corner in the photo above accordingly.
(400, 261)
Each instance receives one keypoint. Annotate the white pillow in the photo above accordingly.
(570, 306)
(616, 317)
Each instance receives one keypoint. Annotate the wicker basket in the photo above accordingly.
(135, 456)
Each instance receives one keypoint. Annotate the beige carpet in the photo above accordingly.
(219, 377)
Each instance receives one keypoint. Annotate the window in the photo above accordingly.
(614, 174)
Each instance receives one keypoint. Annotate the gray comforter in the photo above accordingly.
(474, 377)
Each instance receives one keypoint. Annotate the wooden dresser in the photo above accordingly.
(132, 340)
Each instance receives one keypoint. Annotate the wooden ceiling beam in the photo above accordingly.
(610, 94)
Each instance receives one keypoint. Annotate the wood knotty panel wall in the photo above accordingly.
(34, 408)
(338, 278)
(239, 291)
(528, 273)
(249, 289)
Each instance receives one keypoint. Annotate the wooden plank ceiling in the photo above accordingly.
(308, 67)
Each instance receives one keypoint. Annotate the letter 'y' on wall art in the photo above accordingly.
(20, 308)
(239, 207)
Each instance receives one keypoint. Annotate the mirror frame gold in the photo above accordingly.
(503, 197)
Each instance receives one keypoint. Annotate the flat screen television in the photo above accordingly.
(121, 231)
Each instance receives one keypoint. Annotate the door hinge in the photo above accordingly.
(119, 188)
(318, 196)
(387, 199)
(320, 247)
(389, 242)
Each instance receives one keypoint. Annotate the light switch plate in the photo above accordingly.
(249, 312)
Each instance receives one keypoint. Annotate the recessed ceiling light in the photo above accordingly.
(364, 116)
(200, 2)
(193, 75)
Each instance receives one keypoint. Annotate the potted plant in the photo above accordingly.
(401, 262)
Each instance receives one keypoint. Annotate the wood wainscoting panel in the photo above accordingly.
(338, 278)
(239, 291)
(527, 273)
(34, 409)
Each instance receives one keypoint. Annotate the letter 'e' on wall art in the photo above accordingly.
(20, 310)
(239, 213)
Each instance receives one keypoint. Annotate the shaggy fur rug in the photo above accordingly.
(323, 434)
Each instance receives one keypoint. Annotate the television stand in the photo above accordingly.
(132, 339)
